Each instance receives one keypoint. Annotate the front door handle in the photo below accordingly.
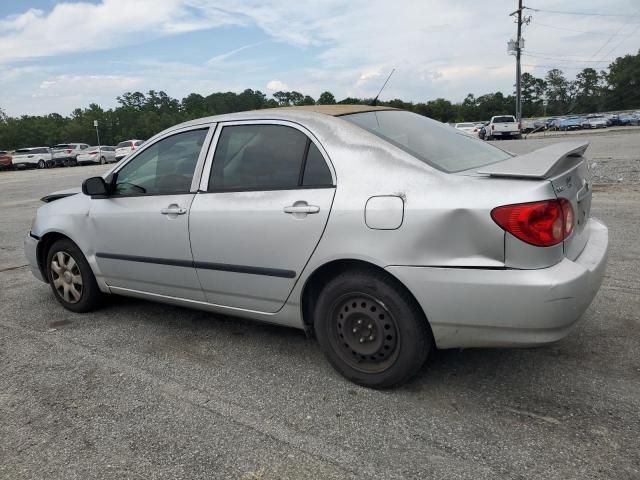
(173, 210)
(304, 208)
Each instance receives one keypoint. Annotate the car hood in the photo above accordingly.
(61, 194)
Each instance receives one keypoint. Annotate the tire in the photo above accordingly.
(371, 330)
(103, 160)
(42, 164)
(66, 277)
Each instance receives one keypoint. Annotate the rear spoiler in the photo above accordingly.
(539, 164)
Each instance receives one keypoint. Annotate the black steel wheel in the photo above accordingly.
(371, 329)
(364, 333)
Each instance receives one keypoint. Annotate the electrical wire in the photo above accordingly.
(590, 32)
(561, 12)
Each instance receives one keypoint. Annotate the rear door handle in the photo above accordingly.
(301, 209)
(173, 210)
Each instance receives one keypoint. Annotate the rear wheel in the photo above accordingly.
(42, 164)
(71, 277)
(103, 160)
(371, 329)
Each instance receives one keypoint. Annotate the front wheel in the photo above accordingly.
(42, 164)
(371, 329)
(71, 277)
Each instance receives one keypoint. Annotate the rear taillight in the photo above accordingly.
(542, 224)
(94, 152)
(69, 150)
(519, 126)
(493, 127)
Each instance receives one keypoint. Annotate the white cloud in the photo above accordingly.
(83, 26)
(277, 85)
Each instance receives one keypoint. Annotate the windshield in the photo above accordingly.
(432, 142)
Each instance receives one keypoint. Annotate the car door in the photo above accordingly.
(263, 204)
(141, 230)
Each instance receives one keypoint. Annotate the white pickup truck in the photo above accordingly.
(503, 126)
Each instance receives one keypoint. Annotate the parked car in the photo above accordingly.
(468, 127)
(626, 120)
(102, 154)
(5, 160)
(503, 126)
(125, 148)
(66, 154)
(571, 123)
(290, 216)
(32, 157)
(596, 121)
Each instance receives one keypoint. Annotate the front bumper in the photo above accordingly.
(505, 308)
(31, 253)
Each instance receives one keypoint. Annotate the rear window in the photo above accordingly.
(432, 142)
(465, 125)
(124, 144)
(62, 145)
(23, 150)
(138, 142)
(506, 119)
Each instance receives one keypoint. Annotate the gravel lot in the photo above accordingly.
(142, 390)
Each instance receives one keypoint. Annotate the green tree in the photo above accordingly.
(623, 82)
(533, 89)
(558, 92)
(326, 98)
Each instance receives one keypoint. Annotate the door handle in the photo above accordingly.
(173, 210)
(301, 209)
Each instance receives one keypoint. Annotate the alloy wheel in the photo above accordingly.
(66, 277)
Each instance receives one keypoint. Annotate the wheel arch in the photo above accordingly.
(43, 247)
(327, 271)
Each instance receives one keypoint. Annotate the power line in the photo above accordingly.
(563, 67)
(590, 32)
(563, 59)
(621, 41)
(561, 12)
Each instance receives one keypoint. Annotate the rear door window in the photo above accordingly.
(258, 157)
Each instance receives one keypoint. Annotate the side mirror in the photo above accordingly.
(95, 187)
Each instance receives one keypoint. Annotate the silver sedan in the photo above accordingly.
(381, 232)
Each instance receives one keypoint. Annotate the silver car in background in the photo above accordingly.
(126, 147)
(381, 232)
(102, 154)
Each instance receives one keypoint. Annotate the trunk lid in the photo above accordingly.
(564, 165)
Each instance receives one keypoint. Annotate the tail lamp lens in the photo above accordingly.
(543, 224)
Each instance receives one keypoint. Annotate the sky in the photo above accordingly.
(59, 55)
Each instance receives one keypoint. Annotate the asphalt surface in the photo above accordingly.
(142, 390)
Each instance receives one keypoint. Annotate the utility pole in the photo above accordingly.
(518, 74)
(515, 47)
(95, 124)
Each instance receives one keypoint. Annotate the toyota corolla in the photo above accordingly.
(381, 232)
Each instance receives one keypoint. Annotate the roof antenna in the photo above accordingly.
(374, 102)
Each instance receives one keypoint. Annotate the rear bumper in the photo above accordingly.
(504, 308)
(30, 252)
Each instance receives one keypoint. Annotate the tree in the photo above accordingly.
(307, 100)
(558, 93)
(326, 98)
(624, 82)
(533, 89)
